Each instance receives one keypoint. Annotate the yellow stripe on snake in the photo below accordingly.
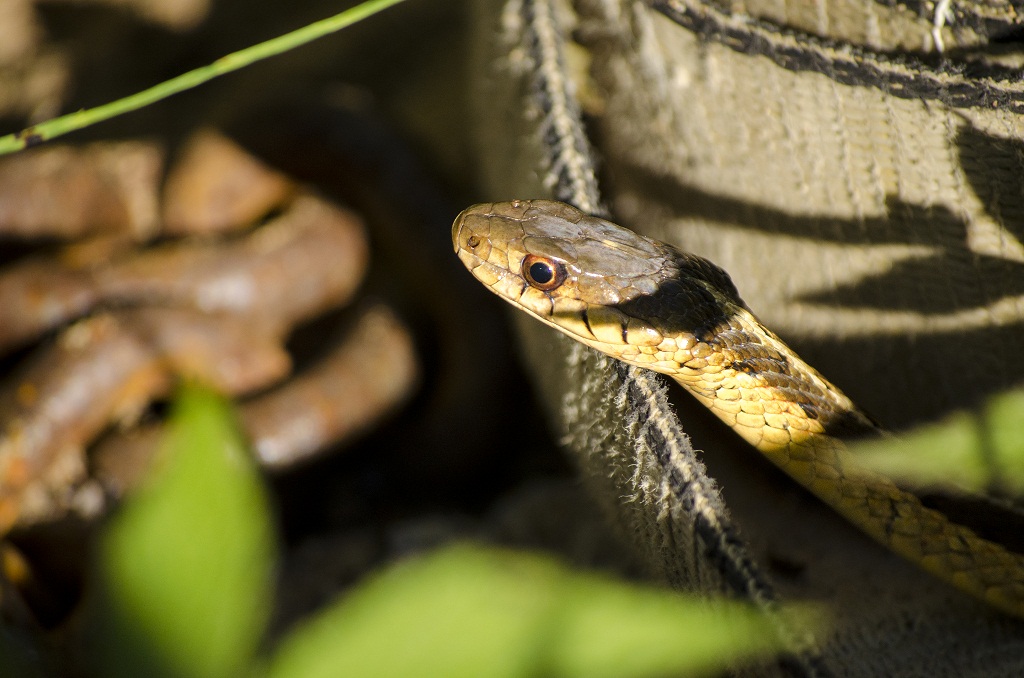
(652, 305)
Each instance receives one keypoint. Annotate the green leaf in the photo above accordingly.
(968, 450)
(473, 612)
(615, 630)
(186, 566)
(1005, 439)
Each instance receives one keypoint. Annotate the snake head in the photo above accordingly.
(578, 273)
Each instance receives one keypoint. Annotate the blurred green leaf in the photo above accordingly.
(612, 629)
(967, 450)
(470, 611)
(1004, 416)
(186, 565)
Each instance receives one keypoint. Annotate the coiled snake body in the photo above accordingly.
(650, 304)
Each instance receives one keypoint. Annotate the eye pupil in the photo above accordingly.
(541, 273)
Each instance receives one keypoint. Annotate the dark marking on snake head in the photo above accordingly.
(679, 306)
(691, 265)
(586, 321)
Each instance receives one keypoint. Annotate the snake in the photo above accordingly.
(650, 304)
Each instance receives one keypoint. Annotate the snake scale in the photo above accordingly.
(652, 305)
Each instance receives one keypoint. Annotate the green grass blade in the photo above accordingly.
(56, 127)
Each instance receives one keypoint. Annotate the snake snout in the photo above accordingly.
(457, 230)
(464, 235)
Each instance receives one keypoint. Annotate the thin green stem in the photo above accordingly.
(56, 127)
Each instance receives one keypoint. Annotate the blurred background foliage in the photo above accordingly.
(185, 588)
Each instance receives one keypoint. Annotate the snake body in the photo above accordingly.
(652, 305)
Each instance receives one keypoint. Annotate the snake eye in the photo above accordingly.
(543, 273)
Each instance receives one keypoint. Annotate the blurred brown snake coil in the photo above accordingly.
(652, 305)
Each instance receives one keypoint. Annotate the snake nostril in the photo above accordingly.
(472, 242)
